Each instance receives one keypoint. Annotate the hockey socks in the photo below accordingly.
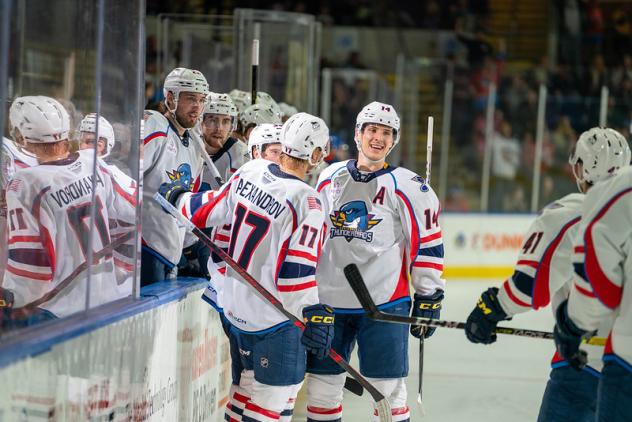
(320, 414)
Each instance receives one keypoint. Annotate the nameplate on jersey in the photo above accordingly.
(75, 190)
(259, 197)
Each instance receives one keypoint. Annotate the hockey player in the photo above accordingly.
(124, 256)
(48, 219)
(219, 120)
(265, 142)
(171, 152)
(600, 291)
(543, 274)
(385, 220)
(287, 111)
(255, 115)
(276, 235)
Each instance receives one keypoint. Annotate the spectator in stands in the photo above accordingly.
(506, 153)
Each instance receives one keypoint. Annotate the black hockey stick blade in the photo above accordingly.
(354, 386)
(359, 288)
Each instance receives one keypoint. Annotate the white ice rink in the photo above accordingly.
(470, 382)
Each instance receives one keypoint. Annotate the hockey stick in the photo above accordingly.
(382, 405)
(255, 71)
(217, 178)
(362, 293)
(26, 310)
(422, 338)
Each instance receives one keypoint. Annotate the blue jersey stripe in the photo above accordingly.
(434, 251)
(295, 270)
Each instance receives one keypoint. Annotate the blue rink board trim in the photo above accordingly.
(41, 338)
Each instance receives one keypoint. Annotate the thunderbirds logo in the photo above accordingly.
(183, 173)
(353, 221)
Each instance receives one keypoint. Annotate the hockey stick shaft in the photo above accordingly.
(254, 81)
(217, 178)
(429, 148)
(25, 310)
(272, 300)
(362, 293)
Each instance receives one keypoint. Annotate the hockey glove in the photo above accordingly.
(568, 337)
(481, 324)
(319, 329)
(426, 307)
(6, 304)
(172, 190)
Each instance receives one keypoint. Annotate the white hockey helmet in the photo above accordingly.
(287, 110)
(106, 131)
(221, 104)
(301, 134)
(266, 99)
(264, 134)
(380, 113)
(241, 99)
(601, 151)
(40, 119)
(257, 114)
(182, 79)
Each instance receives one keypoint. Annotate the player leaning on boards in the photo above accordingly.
(543, 274)
(48, 208)
(170, 154)
(276, 236)
(602, 261)
(385, 220)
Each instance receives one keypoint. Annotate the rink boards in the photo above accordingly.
(482, 245)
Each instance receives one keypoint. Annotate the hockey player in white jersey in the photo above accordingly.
(385, 220)
(602, 262)
(219, 120)
(124, 255)
(48, 218)
(277, 227)
(172, 151)
(543, 275)
(265, 142)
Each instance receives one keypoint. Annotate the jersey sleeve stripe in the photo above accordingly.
(124, 265)
(513, 297)
(605, 289)
(541, 294)
(579, 249)
(434, 251)
(29, 256)
(153, 136)
(432, 265)
(431, 237)
(528, 263)
(222, 237)
(200, 215)
(296, 287)
(30, 274)
(301, 254)
(322, 184)
(584, 291)
(295, 270)
(24, 239)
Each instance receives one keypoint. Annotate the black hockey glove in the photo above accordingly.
(171, 191)
(481, 324)
(568, 337)
(319, 329)
(6, 304)
(426, 307)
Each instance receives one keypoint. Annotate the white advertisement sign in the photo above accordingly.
(482, 245)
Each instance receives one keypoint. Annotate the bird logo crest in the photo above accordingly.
(353, 221)
(183, 174)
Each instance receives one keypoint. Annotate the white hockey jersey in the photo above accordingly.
(166, 157)
(48, 218)
(543, 265)
(276, 234)
(228, 159)
(386, 222)
(602, 260)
